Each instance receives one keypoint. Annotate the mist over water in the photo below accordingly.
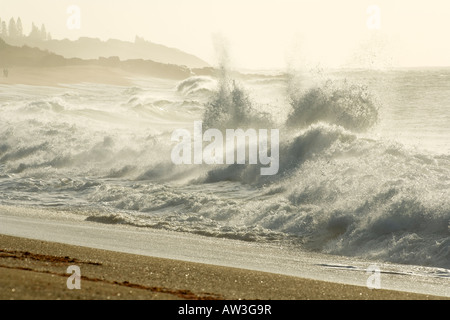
(364, 159)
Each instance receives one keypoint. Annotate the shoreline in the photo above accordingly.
(35, 269)
(66, 229)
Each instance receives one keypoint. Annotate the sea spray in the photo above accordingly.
(231, 107)
(337, 191)
(348, 105)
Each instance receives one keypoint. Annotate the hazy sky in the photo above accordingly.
(261, 33)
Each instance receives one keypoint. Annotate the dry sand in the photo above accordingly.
(33, 269)
(55, 76)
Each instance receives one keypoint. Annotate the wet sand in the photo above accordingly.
(34, 269)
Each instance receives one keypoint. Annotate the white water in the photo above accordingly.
(381, 193)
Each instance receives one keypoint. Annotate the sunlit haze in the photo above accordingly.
(260, 33)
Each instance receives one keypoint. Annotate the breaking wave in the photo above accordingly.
(337, 190)
(197, 85)
(349, 106)
(231, 107)
(336, 194)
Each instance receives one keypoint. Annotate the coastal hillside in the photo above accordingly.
(13, 33)
(92, 48)
(25, 56)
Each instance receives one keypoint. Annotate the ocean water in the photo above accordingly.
(364, 159)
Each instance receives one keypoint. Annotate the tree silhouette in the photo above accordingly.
(19, 27)
(43, 35)
(35, 33)
(15, 30)
(138, 40)
(12, 28)
(4, 30)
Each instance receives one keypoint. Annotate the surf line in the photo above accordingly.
(235, 147)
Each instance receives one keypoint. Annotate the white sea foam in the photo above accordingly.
(343, 186)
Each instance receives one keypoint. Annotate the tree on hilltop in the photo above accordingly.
(19, 27)
(12, 28)
(34, 33)
(43, 33)
(4, 30)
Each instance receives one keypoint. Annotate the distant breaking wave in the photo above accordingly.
(197, 85)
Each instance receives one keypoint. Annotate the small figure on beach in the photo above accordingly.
(5, 73)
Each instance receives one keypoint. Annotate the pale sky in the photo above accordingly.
(261, 33)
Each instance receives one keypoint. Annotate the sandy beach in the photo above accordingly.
(32, 269)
